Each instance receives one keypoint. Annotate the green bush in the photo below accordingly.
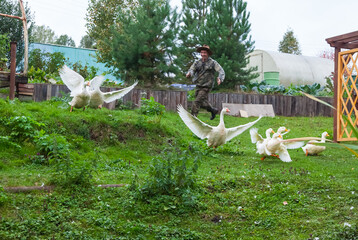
(3, 196)
(22, 128)
(171, 173)
(53, 146)
(152, 108)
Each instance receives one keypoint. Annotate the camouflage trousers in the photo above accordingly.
(201, 100)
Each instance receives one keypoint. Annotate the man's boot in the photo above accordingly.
(213, 111)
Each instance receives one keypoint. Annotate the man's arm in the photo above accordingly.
(191, 70)
(221, 72)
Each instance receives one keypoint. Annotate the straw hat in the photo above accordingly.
(204, 47)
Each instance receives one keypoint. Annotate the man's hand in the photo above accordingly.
(188, 75)
(219, 81)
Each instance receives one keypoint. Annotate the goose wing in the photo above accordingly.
(72, 80)
(96, 82)
(255, 136)
(294, 143)
(235, 131)
(284, 155)
(114, 95)
(199, 128)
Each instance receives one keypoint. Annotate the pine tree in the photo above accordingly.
(193, 18)
(227, 33)
(143, 49)
(289, 43)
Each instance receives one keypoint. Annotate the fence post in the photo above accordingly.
(12, 70)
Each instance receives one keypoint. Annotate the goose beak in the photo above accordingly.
(227, 110)
(88, 83)
(280, 136)
(286, 130)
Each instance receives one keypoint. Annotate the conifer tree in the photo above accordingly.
(289, 43)
(193, 18)
(227, 33)
(143, 49)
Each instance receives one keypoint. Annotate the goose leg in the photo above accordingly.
(263, 158)
(71, 108)
(306, 153)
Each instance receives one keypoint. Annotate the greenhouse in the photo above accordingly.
(286, 69)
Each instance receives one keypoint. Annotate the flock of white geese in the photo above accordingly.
(88, 94)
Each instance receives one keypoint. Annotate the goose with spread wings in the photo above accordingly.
(78, 87)
(215, 136)
(97, 97)
(260, 141)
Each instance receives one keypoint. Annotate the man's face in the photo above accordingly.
(204, 54)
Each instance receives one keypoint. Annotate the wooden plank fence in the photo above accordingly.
(283, 105)
(289, 106)
(170, 99)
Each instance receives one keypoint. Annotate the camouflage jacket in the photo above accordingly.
(204, 72)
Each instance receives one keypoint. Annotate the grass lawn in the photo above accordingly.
(176, 188)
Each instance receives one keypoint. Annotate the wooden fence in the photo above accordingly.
(282, 105)
(288, 106)
(170, 99)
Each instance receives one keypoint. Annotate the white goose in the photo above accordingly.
(278, 147)
(78, 87)
(216, 136)
(260, 141)
(312, 149)
(282, 131)
(98, 97)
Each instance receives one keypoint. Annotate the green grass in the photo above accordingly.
(236, 195)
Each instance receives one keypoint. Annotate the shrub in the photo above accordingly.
(171, 173)
(152, 108)
(22, 128)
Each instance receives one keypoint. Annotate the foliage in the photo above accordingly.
(43, 34)
(289, 43)
(142, 49)
(4, 49)
(227, 32)
(192, 19)
(3, 196)
(6, 141)
(235, 195)
(22, 128)
(172, 173)
(13, 27)
(101, 16)
(203, 22)
(43, 65)
(87, 42)
(152, 108)
(264, 88)
(86, 72)
(65, 40)
(52, 146)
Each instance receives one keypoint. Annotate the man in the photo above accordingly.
(203, 72)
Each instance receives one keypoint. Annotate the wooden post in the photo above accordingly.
(26, 38)
(12, 69)
(336, 123)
